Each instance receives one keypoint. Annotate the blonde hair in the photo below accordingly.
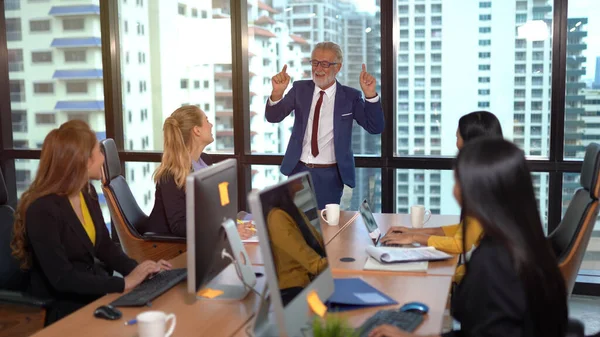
(62, 171)
(328, 45)
(177, 130)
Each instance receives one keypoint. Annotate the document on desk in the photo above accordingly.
(397, 255)
(373, 264)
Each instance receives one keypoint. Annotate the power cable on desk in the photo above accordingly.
(343, 227)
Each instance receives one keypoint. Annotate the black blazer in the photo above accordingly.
(168, 214)
(490, 301)
(65, 264)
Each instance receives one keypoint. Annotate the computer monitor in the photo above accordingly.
(294, 255)
(212, 237)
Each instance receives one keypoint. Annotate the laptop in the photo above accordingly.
(373, 228)
(370, 223)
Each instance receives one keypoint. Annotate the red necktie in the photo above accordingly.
(314, 142)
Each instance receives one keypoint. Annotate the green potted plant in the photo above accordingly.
(333, 326)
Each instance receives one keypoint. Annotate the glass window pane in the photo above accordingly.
(434, 190)
(591, 259)
(582, 100)
(140, 181)
(45, 89)
(279, 37)
(167, 33)
(525, 68)
(368, 185)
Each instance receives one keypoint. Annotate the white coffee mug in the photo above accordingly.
(153, 324)
(417, 216)
(331, 214)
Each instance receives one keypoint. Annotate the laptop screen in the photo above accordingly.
(369, 220)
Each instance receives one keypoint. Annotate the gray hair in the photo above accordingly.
(339, 57)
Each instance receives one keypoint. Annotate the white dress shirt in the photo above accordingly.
(325, 133)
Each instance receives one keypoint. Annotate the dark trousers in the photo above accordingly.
(327, 183)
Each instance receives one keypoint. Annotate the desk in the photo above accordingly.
(202, 318)
(354, 239)
(328, 232)
(431, 290)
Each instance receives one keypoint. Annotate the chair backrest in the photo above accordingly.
(570, 239)
(120, 200)
(11, 275)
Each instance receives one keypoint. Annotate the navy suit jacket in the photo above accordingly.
(349, 106)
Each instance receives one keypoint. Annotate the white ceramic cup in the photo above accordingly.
(154, 323)
(419, 216)
(331, 214)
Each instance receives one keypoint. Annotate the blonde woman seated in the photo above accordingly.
(453, 239)
(297, 246)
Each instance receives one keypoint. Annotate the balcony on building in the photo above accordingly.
(78, 74)
(79, 106)
(76, 42)
(79, 10)
(575, 72)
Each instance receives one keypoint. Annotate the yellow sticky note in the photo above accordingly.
(224, 193)
(315, 304)
(210, 293)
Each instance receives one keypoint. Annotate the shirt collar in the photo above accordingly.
(329, 91)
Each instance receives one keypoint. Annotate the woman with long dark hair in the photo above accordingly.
(59, 234)
(512, 285)
(297, 245)
(450, 239)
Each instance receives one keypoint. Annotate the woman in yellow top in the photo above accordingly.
(452, 239)
(59, 234)
(297, 246)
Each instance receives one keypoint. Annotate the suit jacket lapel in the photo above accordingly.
(338, 109)
(305, 113)
(76, 225)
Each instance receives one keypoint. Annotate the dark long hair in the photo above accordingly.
(496, 189)
(283, 198)
(477, 124)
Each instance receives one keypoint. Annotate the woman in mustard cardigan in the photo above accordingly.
(297, 246)
(450, 238)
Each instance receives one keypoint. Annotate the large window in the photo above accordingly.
(286, 35)
(520, 105)
(159, 69)
(39, 85)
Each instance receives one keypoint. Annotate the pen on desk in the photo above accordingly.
(131, 322)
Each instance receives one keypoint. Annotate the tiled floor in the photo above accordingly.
(587, 310)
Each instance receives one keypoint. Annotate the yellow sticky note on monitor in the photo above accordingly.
(210, 293)
(224, 193)
(315, 304)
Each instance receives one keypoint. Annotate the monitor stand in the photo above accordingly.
(246, 277)
(263, 326)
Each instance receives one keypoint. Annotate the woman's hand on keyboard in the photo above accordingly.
(140, 273)
(164, 265)
(399, 229)
(388, 331)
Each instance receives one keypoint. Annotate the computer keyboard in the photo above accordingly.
(151, 288)
(403, 320)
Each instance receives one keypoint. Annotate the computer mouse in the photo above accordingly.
(108, 312)
(417, 307)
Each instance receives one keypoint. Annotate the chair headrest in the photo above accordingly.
(3, 191)
(590, 169)
(112, 163)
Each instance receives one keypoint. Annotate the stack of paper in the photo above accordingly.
(393, 254)
(373, 264)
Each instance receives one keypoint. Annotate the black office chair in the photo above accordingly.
(20, 313)
(126, 215)
(570, 239)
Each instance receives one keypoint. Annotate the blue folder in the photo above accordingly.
(354, 293)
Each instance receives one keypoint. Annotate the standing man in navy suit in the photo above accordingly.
(321, 140)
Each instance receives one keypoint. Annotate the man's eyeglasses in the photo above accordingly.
(324, 64)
